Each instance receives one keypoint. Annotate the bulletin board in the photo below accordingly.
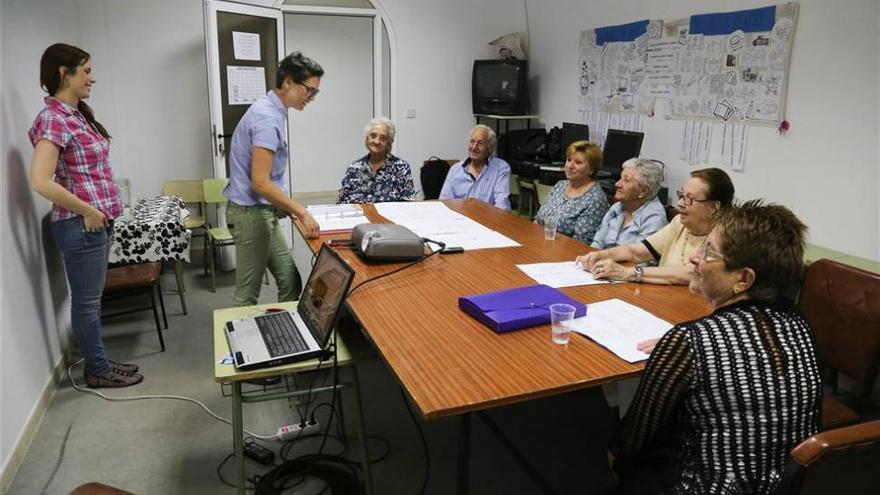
(726, 67)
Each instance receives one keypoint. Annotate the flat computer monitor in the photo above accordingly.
(619, 147)
(571, 133)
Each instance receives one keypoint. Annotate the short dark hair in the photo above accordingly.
(769, 239)
(719, 183)
(298, 68)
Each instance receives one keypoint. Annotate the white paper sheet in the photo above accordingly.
(245, 84)
(433, 220)
(560, 274)
(337, 218)
(729, 149)
(245, 46)
(619, 327)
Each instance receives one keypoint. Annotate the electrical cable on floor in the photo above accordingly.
(147, 397)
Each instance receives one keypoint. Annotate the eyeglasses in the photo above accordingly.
(310, 91)
(706, 253)
(688, 200)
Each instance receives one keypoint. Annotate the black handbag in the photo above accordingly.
(432, 176)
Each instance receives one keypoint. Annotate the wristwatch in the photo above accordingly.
(639, 272)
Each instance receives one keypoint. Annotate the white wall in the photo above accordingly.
(825, 169)
(30, 330)
(151, 94)
(437, 42)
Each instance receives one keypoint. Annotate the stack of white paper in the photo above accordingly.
(433, 220)
(337, 218)
(560, 274)
(619, 327)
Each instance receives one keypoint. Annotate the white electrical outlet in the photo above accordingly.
(295, 430)
(411, 113)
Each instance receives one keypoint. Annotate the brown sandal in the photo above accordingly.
(113, 378)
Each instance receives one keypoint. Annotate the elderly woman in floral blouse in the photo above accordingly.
(578, 202)
(378, 176)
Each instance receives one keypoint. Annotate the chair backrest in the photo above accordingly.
(213, 190)
(190, 191)
(514, 185)
(842, 305)
(844, 461)
(543, 191)
(432, 176)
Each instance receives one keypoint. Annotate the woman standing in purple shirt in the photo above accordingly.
(257, 192)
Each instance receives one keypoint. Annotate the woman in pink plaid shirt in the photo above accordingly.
(70, 168)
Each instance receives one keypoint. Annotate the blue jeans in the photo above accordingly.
(85, 261)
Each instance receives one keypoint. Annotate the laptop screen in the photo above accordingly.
(324, 293)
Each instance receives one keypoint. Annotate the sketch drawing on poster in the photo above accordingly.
(729, 67)
(613, 63)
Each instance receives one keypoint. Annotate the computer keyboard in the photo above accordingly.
(280, 334)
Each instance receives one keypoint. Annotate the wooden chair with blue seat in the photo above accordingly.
(218, 233)
(842, 305)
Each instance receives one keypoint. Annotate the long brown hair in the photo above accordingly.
(68, 56)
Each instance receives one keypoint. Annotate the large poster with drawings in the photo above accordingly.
(613, 68)
(729, 67)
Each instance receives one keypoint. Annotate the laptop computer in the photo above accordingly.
(286, 337)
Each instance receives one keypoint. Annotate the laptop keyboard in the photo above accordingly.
(280, 334)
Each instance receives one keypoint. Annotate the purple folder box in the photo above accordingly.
(517, 308)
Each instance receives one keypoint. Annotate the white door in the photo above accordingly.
(244, 44)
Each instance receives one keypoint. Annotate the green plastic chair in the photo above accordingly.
(219, 235)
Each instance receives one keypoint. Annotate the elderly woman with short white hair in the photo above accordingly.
(637, 213)
(378, 176)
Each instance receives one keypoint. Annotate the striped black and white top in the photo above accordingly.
(730, 394)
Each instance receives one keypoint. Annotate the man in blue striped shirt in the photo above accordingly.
(480, 176)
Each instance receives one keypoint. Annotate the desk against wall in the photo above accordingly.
(451, 364)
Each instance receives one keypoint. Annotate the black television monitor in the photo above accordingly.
(500, 87)
(571, 133)
(619, 147)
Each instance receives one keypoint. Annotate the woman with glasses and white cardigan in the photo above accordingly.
(706, 192)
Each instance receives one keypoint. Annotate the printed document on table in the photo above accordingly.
(337, 218)
(433, 220)
(619, 327)
(561, 274)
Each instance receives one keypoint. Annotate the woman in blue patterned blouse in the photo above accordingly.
(577, 202)
(379, 176)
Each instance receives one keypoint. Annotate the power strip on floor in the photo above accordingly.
(292, 431)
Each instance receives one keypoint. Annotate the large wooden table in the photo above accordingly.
(451, 364)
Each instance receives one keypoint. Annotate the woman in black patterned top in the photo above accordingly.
(724, 398)
(378, 176)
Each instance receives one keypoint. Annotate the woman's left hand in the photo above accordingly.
(609, 269)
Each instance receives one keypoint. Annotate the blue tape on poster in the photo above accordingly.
(623, 32)
(749, 21)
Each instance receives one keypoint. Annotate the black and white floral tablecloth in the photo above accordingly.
(152, 231)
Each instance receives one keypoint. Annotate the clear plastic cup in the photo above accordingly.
(561, 316)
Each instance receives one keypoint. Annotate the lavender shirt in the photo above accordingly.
(264, 125)
(491, 186)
